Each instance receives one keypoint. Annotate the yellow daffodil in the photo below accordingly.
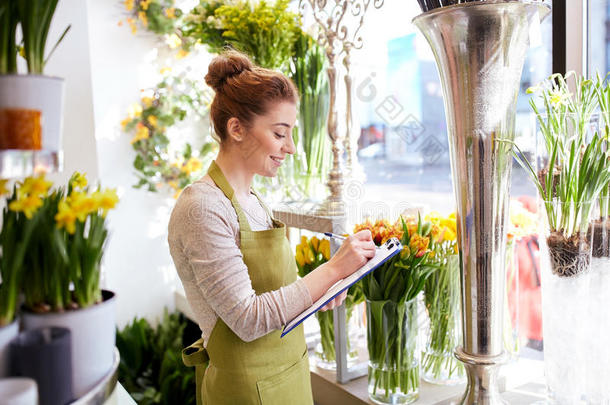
(128, 4)
(106, 199)
(170, 12)
(147, 101)
(134, 110)
(132, 24)
(152, 120)
(3, 188)
(192, 165)
(559, 98)
(28, 205)
(79, 180)
(35, 186)
(125, 122)
(141, 133)
(142, 17)
(65, 217)
(144, 4)
(82, 205)
(181, 54)
(324, 248)
(173, 41)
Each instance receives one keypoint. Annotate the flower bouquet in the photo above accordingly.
(572, 171)
(391, 307)
(442, 300)
(310, 254)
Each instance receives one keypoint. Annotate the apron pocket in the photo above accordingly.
(291, 386)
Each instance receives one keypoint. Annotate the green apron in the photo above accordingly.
(269, 370)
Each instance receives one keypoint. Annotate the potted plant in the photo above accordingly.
(60, 272)
(571, 173)
(25, 100)
(601, 226)
(391, 310)
(17, 229)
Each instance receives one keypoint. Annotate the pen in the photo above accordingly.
(339, 237)
(335, 236)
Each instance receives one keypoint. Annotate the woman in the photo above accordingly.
(233, 258)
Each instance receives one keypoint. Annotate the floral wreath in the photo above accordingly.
(267, 32)
(170, 101)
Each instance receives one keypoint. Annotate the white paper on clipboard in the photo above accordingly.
(390, 248)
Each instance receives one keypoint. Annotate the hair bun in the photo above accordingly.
(228, 64)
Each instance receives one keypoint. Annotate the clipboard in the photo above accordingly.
(384, 253)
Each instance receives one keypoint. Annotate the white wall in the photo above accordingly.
(137, 263)
(71, 62)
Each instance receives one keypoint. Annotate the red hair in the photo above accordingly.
(244, 90)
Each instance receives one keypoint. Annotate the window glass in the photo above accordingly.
(403, 146)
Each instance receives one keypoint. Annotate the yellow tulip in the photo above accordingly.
(299, 257)
(304, 240)
(324, 248)
(315, 243)
(3, 188)
(65, 217)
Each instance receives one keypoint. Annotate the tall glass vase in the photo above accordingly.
(598, 357)
(565, 261)
(442, 301)
(393, 355)
(325, 350)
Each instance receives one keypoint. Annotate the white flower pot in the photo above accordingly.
(93, 339)
(18, 391)
(37, 92)
(7, 333)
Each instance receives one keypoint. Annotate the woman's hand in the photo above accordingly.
(336, 302)
(355, 251)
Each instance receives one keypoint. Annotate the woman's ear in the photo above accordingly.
(235, 130)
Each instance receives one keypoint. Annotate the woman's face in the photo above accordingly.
(269, 139)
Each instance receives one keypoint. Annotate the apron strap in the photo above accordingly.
(196, 356)
(221, 181)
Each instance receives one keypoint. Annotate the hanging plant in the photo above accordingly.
(171, 101)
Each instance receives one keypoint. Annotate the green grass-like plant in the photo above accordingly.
(35, 18)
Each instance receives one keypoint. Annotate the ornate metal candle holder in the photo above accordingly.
(480, 48)
(338, 37)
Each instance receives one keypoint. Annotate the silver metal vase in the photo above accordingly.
(480, 48)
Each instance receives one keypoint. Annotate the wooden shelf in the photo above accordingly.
(16, 164)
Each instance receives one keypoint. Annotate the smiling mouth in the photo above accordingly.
(277, 160)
